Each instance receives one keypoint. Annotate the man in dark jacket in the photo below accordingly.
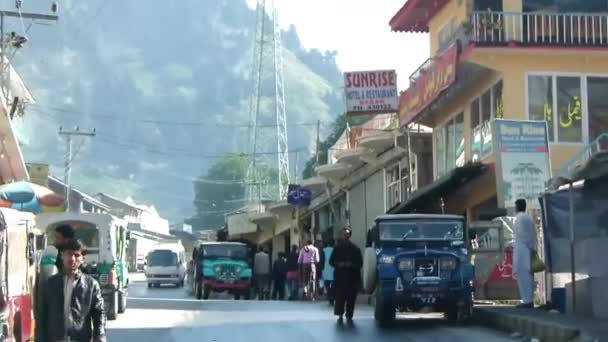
(72, 306)
(347, 262)
(279, 277)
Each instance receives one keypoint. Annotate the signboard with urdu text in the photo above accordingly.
(368, 92)
(428, 85)
(522, 157)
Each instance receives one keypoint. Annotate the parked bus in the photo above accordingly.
(17, 274)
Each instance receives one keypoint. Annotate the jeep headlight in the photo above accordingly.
(448, 264)
(237, 270)
(386, 259)
(406, 264)
(217, 269)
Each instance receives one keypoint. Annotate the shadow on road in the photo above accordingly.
(165, 304)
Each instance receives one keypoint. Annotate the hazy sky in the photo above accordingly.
(359, 31)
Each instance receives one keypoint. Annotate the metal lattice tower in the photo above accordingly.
(267, 48)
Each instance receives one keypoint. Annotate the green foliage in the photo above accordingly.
(223, 189)
(338, 127)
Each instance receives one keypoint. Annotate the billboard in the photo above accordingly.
(432, 79)
(371, 92)
(522, 157)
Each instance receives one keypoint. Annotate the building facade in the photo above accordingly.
(502, 59)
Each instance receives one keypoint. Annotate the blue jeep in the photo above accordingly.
(419, 263)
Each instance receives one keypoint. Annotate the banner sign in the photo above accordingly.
(371, 92)
(429, 84)
(298, 196)
(521, 151)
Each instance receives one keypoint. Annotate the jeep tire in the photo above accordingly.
(385, 312)
(369, 270)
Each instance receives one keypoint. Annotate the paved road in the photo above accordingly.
(167, 314)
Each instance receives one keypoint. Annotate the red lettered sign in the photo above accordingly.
(426, 88)
(368, 92)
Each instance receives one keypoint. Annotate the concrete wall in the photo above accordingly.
(457, 9)
(366, 202)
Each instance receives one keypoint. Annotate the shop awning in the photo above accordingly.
(414, 16)
(440, 188)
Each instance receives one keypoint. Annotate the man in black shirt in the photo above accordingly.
(347, 262)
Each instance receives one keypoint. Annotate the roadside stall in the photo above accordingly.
(575, 213)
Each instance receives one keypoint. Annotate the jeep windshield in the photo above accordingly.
(423, 229)
(225, 251)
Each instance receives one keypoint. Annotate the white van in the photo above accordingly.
(166, 264)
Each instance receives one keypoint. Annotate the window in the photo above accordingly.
(449, 144)
(393, 186)
(440, 150)
(559, 100)
(483, 109)
(446, 33)
(540, 100)
(597, 89)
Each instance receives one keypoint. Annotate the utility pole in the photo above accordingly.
(295, 169)
(318, 149)
(9, 44)
(69, 157)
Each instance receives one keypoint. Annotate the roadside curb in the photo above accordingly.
(528, 325)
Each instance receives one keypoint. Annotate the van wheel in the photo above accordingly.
(17, 328)
(122, 302)
(113, 307)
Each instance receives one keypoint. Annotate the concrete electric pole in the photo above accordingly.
(10, 42)
(69, 157)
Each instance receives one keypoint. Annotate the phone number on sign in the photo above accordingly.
(374, 107)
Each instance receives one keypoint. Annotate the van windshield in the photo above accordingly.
(162, 258)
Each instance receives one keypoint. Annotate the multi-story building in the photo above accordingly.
(372, 168)
(502, 59)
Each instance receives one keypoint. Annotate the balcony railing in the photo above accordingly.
(562, 29)
(600, 144)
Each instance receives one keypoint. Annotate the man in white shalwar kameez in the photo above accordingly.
(524, 247)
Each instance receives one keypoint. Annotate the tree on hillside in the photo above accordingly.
(337, 128)
(222, 190)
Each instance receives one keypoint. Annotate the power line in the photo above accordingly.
(185, 153)
(39, 108)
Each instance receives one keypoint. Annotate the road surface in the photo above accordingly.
(167, 314)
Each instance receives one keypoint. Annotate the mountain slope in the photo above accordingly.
(166, 85)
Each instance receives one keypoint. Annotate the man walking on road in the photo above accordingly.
(523, 250)
(347, 261)
(308, 260)
(279, 276)
(293, 273)
(261, 273)
(71, 308)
